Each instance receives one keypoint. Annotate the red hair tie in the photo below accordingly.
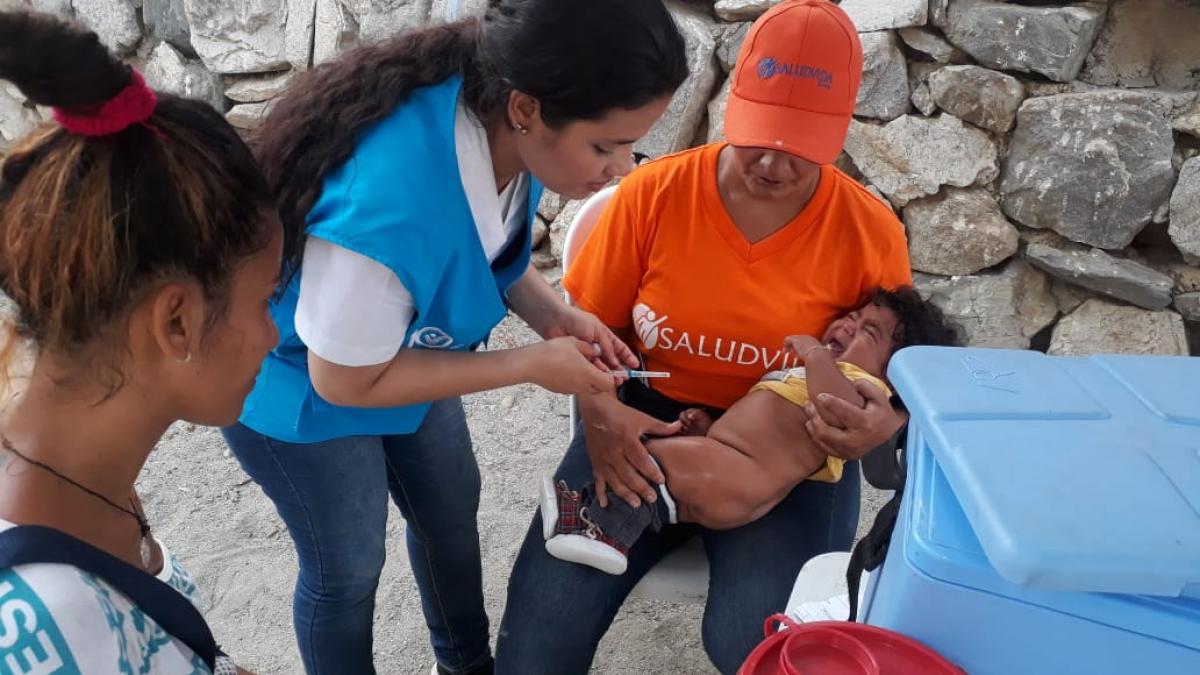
(132, 105)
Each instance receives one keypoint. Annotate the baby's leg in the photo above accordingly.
(752, 457)
(712, 483)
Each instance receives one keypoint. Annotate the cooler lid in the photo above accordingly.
(1075, 473)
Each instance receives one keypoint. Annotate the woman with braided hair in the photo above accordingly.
(139, 248)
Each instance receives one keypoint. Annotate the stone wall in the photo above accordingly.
(1044, 156)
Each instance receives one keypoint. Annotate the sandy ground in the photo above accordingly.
(229, 536)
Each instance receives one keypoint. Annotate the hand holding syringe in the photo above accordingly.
(622, 374)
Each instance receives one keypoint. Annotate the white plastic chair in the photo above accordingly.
(683, 575)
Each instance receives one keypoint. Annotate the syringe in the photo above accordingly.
(645, 374)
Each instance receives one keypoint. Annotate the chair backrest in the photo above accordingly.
(581, 226)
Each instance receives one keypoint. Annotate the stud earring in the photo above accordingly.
(521, 128)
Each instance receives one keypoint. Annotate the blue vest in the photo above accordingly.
(398, 200)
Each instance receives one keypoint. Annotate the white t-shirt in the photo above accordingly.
(353, 310)
(58, 619)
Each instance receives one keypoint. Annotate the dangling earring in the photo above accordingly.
(187, 359)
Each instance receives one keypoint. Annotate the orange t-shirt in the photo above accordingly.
(704, 303)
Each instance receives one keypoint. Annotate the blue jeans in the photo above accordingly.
(333, 498)
(558, 611)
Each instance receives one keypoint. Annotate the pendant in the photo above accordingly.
(144, 549)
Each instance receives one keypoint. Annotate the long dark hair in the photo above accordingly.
(579, 58)
(87, 224)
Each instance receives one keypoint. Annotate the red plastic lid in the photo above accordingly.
(841, 648)
(826, 651)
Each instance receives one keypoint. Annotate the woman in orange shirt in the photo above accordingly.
(705, 261)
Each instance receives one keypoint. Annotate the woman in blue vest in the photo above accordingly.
(407, 174)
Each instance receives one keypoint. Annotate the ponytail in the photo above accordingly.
(134, 188)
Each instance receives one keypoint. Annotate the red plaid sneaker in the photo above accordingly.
(570, 535)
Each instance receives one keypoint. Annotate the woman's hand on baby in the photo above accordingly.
(844, 430)
(566, 365)
(620, 461)
(576, 323)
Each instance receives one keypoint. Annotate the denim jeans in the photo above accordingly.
(333, 498)
(558, 611)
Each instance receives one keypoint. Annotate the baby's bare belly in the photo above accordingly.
(769, 429)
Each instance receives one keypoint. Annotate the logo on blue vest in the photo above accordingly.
(431, 337)
(769, 67)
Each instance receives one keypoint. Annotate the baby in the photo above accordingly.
(725, 473)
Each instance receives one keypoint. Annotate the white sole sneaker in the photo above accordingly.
(549, 507)
(577, 548)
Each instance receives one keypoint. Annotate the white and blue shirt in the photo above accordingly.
(59, 620)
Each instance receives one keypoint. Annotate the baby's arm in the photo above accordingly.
(821, 371)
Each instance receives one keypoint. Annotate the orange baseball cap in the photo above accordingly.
(796, 81)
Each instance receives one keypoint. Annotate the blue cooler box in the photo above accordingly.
(1051, 519)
